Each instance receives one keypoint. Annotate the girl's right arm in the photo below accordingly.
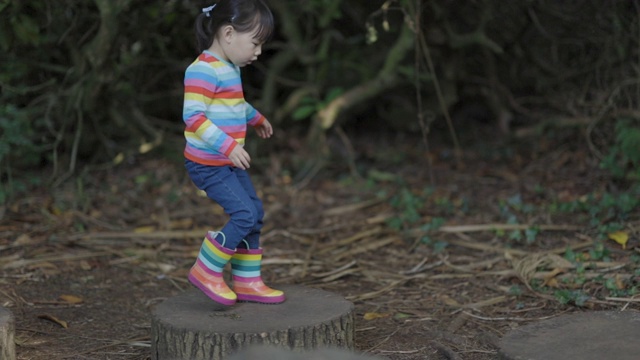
(240, 157)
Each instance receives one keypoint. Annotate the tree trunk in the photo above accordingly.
(7, 332)
(191, 326)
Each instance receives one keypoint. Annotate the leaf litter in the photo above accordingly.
(126, 246)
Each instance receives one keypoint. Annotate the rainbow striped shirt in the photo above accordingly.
(215, 112)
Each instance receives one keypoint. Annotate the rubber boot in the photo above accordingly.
(247, 281)
(206, 273)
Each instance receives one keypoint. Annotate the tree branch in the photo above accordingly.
(388, 77)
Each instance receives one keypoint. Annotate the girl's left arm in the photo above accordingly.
(264, 130)
(259, 122)
(254, 118)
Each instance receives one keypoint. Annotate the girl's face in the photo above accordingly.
(241, 48)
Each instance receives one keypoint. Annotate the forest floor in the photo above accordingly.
(440, 259)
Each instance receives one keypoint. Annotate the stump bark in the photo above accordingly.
(191, 326)
(586, 336)
(268, 353)
(7, 333)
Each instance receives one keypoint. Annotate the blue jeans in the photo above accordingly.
(232, 189)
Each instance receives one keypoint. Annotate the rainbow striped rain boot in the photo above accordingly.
(206, 273)
(247, 282)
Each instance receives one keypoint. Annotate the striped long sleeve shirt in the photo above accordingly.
(215, 112)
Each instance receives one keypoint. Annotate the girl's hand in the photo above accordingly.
(240, 157)
(264, 130)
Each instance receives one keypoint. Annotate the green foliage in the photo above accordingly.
(599, 252)
(605, 212)
(576, 297)
(16, 135)
(433, 225)
(309, 105)
(515, 290)
(623, 158)
(16, 149)
(96, 78)
(515, 211)
(80, 81)
(408, 206)
(608, 286)
(576, 258)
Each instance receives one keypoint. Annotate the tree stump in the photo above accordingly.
(270, 353)
(585, 336)
(7, 333)
(192, 326)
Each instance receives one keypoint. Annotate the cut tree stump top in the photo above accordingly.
(582, 336)
(192, 326)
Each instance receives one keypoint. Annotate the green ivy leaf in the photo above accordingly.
(334, 93)
(531, 234)
(303, 112)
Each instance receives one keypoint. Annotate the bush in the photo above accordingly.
(623, 158)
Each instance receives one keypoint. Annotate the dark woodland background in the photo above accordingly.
(88, 84)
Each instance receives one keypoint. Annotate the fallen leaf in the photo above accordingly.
(401, 316)
(450, 301)
(54, 319)
(620, 237)
(144, 229)
(182, 223)
(118, 159)
(145, 148)
(164, 268)
(371, 316)
(24, 239)
(84, 265)
(56, 211)
(619, 283)
(550, 280)
(552, 283)
(71, 299)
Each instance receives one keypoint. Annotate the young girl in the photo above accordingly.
(230, 35)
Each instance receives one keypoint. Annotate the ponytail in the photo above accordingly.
(205, 32)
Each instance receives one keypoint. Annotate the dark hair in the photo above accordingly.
(243, 15)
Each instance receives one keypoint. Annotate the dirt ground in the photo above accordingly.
(83, 266)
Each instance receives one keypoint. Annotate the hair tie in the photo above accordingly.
(207, 10)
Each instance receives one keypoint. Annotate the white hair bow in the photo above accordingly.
(208, 10)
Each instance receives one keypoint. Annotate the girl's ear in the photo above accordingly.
(227, 33)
